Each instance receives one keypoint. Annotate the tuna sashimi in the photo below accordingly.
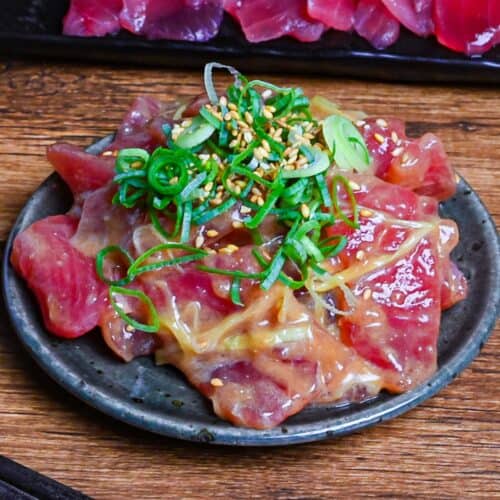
(263, 20)
(191, 20)
(470, 26)
(71, 296)
(416, 15)
(337, 14)
(374, 22)
(80, 170)
(93, 17)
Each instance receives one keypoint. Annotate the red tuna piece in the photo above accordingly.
(263, 20)
(64, 281)
(93, 17)
(470, 26)
(80, 170)
(191, 20)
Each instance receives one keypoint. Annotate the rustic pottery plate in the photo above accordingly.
(160, 400)
(34, 28)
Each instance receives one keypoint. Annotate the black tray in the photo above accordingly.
(34, 27)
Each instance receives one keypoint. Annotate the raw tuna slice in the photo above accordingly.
(80, 170)
(93, 17)
(142, 125)
(416, 15)
(337, 14)
(470, 26)
(191, 20)
(420, 164)
(396, 269)
(64, 281)
(374, 22)
(263, 20)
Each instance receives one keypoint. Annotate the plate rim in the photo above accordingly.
(176, 427)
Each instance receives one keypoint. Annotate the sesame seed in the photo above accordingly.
(257, 191)
(364, 212)
(234, 143)
(130, 328)
(173, 180)
(278, 133)
(248, 117)
(397, 152)
(379, 138)
(208, 186)
(186, 123)
(237, 224)
(232, 106)
(237, 189)
(234, 115)
(215, 201)
(198, 243)
(301, 161)
(260, 201)
(234, 133)
(405, 158)
(305, 211)
(227, 117)
(136, 164)
(108, 153)
(266, 146)
(266, 94)
(457, 179)
(258, 154)
(223, 101)
(360, 255)
(381, 123)
(229, 249)
(267, 114)
(211, 251)
(248, 137)
(367, 294)
(216, 382)
(354, 186)
(212, 233)
(253, 198)
(245, 210)
(360, 123)
(394, 136)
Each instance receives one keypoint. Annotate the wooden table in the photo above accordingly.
(448, 447)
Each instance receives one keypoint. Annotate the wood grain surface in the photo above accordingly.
(448, 447)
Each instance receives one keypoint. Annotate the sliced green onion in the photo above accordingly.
(337, 180)
(197, 133)
(346, 143)
(319, 164)
(99, 263)
(150, 328)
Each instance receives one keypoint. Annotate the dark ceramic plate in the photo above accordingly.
(34, 28)
(160, 400)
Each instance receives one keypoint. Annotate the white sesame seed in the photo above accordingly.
(364, 212)
(245, 210)
(305, 211)
(223, 101)
(216, 382)
(228, 117)
(212, 233)
(266, 146)
(397, 152)
(237, 224)
(354, 186)
(360, 123)
(360, 255)
(266, 94)
(381, 123)
(394, 136)
(199, 241)
(457, 179)
(379, 138)
(367, 294)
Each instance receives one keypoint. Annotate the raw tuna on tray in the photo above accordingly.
(468, 26)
